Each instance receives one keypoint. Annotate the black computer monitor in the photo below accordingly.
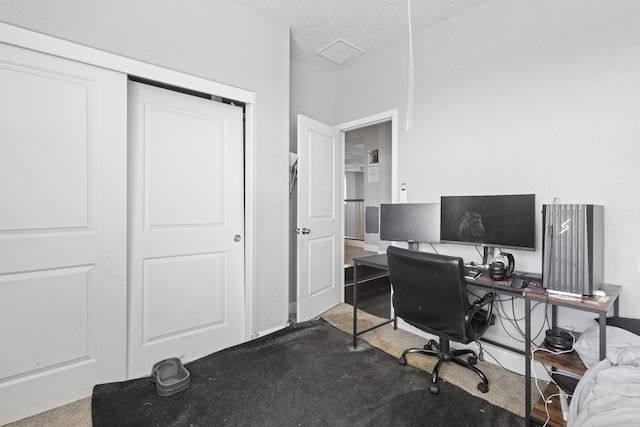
(504, 221)
(410, 222)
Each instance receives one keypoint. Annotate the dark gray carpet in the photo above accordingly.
(307, 375)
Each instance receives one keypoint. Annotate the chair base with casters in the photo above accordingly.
(446, 354)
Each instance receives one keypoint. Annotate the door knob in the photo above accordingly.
(306, 231)
(237, 238)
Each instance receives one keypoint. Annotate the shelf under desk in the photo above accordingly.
(589, 304)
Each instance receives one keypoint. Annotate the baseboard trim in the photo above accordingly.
(255, 335)
(354, 243)
(371, 248)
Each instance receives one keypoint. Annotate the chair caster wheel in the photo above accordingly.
(434, 389)
(402, 361)
(472, 360)
(483, 387)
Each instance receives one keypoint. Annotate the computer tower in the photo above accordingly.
(573, 248)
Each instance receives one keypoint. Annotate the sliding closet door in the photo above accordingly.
(186, 229)
(62, 230)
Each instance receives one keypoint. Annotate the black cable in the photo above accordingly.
(502, 316)
(514, 319)
(515, 338)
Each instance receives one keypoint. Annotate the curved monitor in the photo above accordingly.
(505, 221)
(410, 222)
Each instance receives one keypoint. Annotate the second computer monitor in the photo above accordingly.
(410, 222)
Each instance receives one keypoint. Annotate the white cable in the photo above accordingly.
(535, 381)
(410, 73)
(546, 400)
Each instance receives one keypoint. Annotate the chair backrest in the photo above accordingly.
(430, 292)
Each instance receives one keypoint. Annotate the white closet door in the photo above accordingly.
(186, 259)
(62, 230)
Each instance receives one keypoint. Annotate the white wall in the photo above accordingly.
(312, 97)
(521, 97)
(220, 41)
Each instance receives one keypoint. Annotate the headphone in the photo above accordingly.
(558, 340)
(501, 267)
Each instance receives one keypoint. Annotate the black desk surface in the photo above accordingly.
(377, 261)
(482, 281)
(504, 286)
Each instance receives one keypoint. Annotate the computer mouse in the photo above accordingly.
(599, 293)
(517, 283)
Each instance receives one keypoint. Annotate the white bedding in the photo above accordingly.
(609, 392)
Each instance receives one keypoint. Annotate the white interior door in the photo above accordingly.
(319, 218)
(62, 230)
(186, 246)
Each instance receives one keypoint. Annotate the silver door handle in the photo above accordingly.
(237, 238)
(306, 231)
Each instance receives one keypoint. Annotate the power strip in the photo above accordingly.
(564, 404)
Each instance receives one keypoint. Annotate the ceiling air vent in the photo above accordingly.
(340, 52)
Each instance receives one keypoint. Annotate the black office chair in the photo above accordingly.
(430, 293)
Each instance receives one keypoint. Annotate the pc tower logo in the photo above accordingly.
(565, 226)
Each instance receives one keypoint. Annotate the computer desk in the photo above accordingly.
(484, 282)
(380, 262)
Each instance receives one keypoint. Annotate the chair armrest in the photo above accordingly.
(478, 318)
(485, 299)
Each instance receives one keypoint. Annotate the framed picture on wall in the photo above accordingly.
(373, 156)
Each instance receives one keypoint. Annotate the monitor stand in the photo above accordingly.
(413, 246)
(487, 255)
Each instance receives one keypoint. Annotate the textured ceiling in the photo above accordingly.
(371, 25)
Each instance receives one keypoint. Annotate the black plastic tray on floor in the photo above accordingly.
(170, 376)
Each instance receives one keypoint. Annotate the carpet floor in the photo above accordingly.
(307, 374)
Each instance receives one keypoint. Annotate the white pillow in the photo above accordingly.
(618, 340)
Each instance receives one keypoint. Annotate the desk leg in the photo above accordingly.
(603, 335)
(527, 358)
(355, 304)
(355, 308)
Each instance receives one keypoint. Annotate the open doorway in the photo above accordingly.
(369, 145)
(355, 161)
